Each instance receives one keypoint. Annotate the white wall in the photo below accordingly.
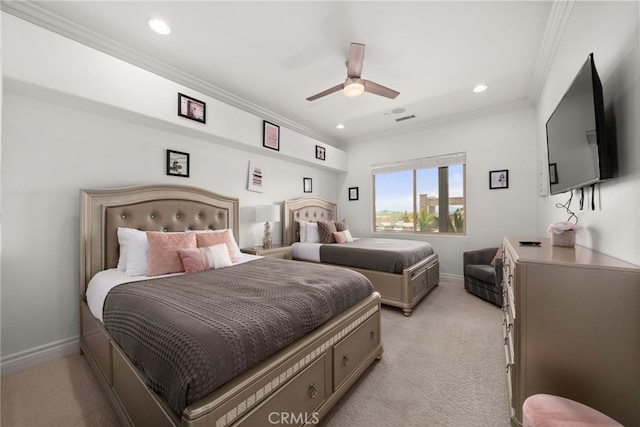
(75, 118)
(494, 142)
(610, 31)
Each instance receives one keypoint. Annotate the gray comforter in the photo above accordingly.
(388, 255)
(190, 334)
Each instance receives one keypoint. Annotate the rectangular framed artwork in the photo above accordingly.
(256, 177)
(306, 185)
(353, 193)
(191, 108)
(271, 136)
(320, 152)
(499, 179)
(177, 163)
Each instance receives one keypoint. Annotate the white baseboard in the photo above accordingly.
(36, 356)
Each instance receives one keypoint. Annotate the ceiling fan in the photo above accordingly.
(355, 86)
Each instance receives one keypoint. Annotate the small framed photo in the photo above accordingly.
(271, 136)
(177, 163)
(353, 193)
(553, 173)
(499, 179)
(306, 185)
(320, 152)
(191, 108)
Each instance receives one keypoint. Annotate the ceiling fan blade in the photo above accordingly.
(325, 92)
(377, 89)
(356, 57)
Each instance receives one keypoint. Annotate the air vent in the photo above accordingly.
(401, 119)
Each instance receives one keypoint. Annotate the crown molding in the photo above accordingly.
(43, 18)
(556, 24)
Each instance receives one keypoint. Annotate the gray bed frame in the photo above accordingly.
(301, 382)
(403, 290)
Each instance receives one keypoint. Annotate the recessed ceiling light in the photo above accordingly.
(480, 88)
(159, 26)
(340, 126)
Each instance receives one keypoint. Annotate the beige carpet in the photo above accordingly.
(443, 366)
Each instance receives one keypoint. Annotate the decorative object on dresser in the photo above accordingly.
(275, 251)
(177, 163)
(191, 108)
(267, 214)
(482, 269)
(564, 233)
(270, 135)
(571, 325)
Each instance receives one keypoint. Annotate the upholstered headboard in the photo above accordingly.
(306, 209)
(153, 208)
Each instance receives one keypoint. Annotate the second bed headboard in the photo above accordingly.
(306, 209)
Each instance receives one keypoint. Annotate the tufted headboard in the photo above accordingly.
(306, 209)
(153, 208)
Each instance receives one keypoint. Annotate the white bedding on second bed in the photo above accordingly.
(105, 280)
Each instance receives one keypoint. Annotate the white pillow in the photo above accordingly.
(312, 233)
(348, 236)
(125, 236)
(303, 231)
(137, 253)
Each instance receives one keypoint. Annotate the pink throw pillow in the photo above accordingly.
(163, 251)
(201, 259)
(204, 240)
(340, 237)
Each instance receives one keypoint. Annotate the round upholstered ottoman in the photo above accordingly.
(546, 410)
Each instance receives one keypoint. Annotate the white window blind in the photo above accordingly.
(421, 163)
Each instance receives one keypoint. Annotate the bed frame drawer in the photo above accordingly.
(352, 350)
(295, 404)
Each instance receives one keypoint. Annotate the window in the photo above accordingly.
(410, 196)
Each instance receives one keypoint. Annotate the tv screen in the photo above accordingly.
(576, 135)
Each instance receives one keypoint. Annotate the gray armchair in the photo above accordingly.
(480, 277)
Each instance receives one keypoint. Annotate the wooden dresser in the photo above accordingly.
(571, 327)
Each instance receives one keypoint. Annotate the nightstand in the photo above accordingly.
(276, 251)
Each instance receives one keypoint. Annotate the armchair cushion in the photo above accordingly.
(481, 277)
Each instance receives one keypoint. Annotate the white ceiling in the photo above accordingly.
(267, 57)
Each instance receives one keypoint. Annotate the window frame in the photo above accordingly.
(437, 162)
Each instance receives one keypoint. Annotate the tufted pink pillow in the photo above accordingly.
(205, 240)
(201, 259)
(163, 251)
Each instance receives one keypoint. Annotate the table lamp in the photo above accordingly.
(266, 214)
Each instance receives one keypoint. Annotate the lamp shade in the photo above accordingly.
(268, 213)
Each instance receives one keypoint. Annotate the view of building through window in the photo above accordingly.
(413, 200)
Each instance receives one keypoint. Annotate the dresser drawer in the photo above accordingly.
(295, 404)
(349, 353)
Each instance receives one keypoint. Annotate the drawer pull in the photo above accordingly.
(373, 335)
(509, 365)
(346, 360)
(313, 390)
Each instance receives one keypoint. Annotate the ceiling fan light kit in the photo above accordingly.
(354, 85)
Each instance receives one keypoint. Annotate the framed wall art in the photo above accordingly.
(320, 152)
(256, 177)
(177, 163)
(499, 179)
(353, 193)
(191, 108)
(306, 185)
(271, 136)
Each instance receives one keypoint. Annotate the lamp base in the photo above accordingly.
(266, 241)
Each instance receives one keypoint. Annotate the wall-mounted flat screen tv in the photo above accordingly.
(579, 153)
